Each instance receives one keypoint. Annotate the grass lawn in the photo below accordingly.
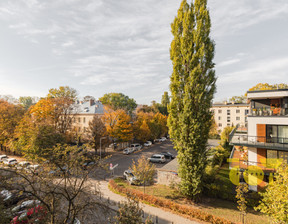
(217, 207)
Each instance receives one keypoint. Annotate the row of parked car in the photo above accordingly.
(136, 146)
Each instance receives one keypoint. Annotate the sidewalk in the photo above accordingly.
(159, 216)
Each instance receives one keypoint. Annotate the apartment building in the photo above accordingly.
(83, 113)
(230, 114)
(264, 147)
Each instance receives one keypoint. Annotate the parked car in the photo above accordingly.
(136, 146)
(3, 157)
(10, 161)
(88, 164)
(128, 151)
(157, 158)
(24, 163)
(148, 143)
(33, 169)
(59, 172)
(129, 176)
(168, 155)
(163, 139)
(24, 205)
(11, 198)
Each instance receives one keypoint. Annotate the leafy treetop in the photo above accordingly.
(119, 101)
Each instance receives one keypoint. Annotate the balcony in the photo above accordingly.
(268, 112)
(269, 107)
(258, 141)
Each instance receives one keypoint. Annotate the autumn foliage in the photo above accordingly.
(168, 204)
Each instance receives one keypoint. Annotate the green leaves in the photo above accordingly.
(192, 87)
(119, 101)
(275, 199)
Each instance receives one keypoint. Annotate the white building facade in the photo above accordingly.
(230, 114)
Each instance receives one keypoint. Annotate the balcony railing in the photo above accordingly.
(268, 112)
(242, 165)
(258, 141)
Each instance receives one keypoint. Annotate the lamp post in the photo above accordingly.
(100, 145)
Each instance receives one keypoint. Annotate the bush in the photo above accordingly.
(164, 203)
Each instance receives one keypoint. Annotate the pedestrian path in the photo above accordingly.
(159, 216)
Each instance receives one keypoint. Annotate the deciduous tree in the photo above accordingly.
(57, 108)
(62, 186)
(274, 202)
(119, 101)
(10, 116)
(143, 170)
(118, 124)
(97, 130)
(192, 88)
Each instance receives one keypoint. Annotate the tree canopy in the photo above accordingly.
(119, 101)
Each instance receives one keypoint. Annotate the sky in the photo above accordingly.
(102, 46)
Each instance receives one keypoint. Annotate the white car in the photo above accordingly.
(136, 146)
(24, 163)
(148, 143)
(10, 161)
(3, 157)
(157, 158)
(128, 151)
(128, 175)
(163, 139)
(26, 204)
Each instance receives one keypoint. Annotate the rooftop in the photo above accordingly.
(88, 107)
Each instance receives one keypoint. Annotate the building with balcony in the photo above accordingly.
(265, 144)
(230, 114)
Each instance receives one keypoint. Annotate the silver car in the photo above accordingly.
(157, 158)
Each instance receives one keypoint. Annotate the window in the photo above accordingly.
(219, 111)
(228, 124)
(213, 111)
(228, 112)
(219, 125)
(283, 155)
(277, 134)
(79, 129)
(283, 134)
(84, 120)
(219, 118)
(237, 118)
(228, 119)
(84, 129)
(79, 119)
(246, 112)
(237, 111)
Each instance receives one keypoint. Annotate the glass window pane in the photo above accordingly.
(283, 134)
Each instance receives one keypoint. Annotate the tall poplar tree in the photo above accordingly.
(192, 87)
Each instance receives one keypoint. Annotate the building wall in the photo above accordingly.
(253, 121)
(167, 178)
(238, 115)
(80, 123)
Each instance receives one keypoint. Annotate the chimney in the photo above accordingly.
(91, 102)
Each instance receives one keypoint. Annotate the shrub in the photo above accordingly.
(178, 208)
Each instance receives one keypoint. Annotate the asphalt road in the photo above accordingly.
(125, 161)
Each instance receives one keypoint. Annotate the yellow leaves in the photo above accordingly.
(118, 124)
(44, 110)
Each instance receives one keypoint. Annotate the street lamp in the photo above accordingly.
(100, 145)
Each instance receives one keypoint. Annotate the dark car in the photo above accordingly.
(168, 155)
